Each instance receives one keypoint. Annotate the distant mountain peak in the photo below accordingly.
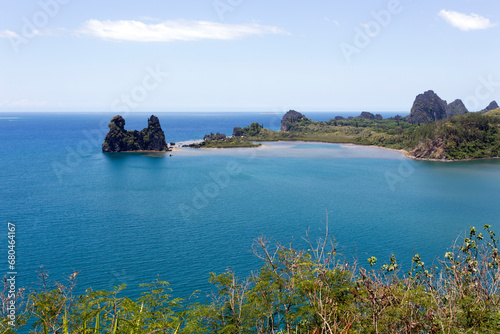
(492, 106)
(429, 107)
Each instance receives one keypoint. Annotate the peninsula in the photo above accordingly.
(434, 130)
(151, 138)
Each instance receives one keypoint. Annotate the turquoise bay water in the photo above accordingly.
(129, 218)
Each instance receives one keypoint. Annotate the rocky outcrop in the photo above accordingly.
(369, 115)
(492, 106)
(427, 108)
(457, 107)
(290, 118)
(118, 139)
(434, 149)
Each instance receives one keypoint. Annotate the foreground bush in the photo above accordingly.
(295, 291)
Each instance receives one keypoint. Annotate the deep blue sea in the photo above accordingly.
(131, 218)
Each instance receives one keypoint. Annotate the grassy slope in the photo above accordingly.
(494, 112)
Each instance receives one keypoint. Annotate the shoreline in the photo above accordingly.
(144, 151)
(404, 152)
(457, 160)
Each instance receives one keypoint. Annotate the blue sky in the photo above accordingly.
(242, 55)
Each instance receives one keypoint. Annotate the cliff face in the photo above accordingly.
(118, 139)
(289, 118)
(153, 137)
(457, 107)
(427, 108)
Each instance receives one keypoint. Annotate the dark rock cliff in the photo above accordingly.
(427, 108)
(457, 107)
(118, 139)
(289, 118)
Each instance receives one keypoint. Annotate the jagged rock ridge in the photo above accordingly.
(457, 107)
(492, 106)
(118, 139)
(429, 107)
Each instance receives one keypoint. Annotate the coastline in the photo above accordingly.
(143, 151)
(403, 152)
(456, 160)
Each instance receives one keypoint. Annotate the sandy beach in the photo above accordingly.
(299, 149)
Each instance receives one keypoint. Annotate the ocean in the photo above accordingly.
(132, 218)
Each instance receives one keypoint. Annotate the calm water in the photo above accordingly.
(127, 218)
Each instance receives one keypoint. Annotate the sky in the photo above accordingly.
(242, 55)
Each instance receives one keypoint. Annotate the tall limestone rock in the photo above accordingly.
(427, 108)
(153, 137)
(457, 107)
(118, 139)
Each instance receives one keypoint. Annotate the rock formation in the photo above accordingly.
(289, 118)
(427, 108)
(118, 139)
(457, 107)
(492, 106)
(369, 115)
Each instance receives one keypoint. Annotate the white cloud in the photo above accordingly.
(168, 31)
(8, 34)
(466, 22)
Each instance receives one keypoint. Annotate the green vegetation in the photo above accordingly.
(295, 291)
(468, 136)
(219, 140)
(494, 112)
(253, 130)
(362, 131)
